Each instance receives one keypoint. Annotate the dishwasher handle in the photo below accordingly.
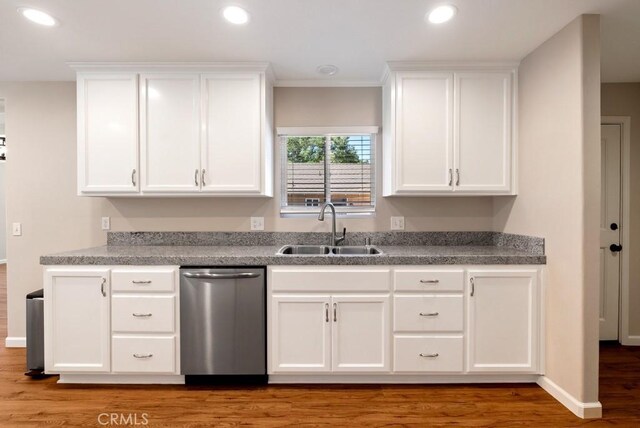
(239, 275)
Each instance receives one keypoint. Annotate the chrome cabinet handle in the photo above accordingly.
(434, 355)
(102, 290)
(142, 355)
(450, 177)
(429, 281)
(133, 177)
(240, 275)
(429, 314)
(148, 281)
(326, 312)
(335, 312)
(457, 177)
(473, 287)
(202, 177)
(141, 315)
(195, 177)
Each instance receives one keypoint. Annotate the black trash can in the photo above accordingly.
(35, 333)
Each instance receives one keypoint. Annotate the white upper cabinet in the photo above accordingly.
(107, 133)
(170, 132)
(424, 132)
(449, 130)
(202, 130)
(483, 132)
(232, 142)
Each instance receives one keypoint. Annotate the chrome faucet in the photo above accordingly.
(335, 239)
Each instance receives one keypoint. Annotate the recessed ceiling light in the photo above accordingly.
(442, 14)
(38, 16)
(327, 69)
(235, 15)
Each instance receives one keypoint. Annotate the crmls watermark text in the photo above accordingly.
(123, 419)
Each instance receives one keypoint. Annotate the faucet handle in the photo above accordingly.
(367, 241)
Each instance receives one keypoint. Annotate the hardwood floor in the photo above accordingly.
(28, 402)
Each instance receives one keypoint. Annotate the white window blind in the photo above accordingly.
(328, 168)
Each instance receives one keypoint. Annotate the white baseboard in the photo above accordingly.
(592, 410)
(400, 378)
(15, 342)
(630, 340)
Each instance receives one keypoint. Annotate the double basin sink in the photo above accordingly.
(327, 250)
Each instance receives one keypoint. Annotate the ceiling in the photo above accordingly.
(296, 36)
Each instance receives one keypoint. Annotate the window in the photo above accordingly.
(320, 166)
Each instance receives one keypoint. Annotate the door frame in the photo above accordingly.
(625, 165)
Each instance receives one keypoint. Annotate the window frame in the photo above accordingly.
(327, 132)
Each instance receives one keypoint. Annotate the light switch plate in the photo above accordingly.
(17, 229)
(257, 223)
(106, 223)
(397, 223)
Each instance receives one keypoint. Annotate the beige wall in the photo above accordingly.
(41, 181)
(559, 195)
(623, 99)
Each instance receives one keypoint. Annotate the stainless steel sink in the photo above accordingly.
(367, 250)
(306, 250)
(325, 250)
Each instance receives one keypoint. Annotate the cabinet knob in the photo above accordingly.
(615, 248)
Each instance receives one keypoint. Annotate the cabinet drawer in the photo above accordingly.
(143, 279)
(430, 312)
(429, 280)
(148, 314)
(144, 354)
(323, 279)
(428, 354)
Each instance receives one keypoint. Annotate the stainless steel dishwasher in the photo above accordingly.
(223, 324)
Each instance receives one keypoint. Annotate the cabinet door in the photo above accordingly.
(360, 333)
(170, 133)
(232, 149)
(503, 324)
(107, 133)
(300, 334)
(483, 132)
(77, 330)
(424, 142)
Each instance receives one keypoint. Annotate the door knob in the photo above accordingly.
(615, 248)
(614, 226)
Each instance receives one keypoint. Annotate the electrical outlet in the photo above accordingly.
(257, 223)
(106, 223)
(397, 223)
(17, 229)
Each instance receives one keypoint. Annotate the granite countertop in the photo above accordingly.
(496, 249)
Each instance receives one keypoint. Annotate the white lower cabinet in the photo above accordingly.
(112, 320)
(344, 330)
(438, 323)
(503, 320)
(76, 326)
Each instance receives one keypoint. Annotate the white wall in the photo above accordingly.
(623, 99)
(559, 191)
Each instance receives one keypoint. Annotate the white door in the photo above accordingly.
(77, 328)
(502, 322)
(170, 133)
(232, 143)
(610, 232)
(300, 334)
(482, 132)
(107, 133)
(360, 333)
(424, 142)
